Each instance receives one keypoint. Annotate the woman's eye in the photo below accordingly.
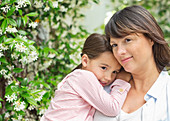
(104, 68)
(128, 40)
(114, 45)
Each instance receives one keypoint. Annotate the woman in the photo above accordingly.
(139, 46)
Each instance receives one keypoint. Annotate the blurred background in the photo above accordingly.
(41, 41)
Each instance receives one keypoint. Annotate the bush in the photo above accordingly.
(40, 43)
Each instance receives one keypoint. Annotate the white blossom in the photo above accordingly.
(60, 0)
(33, 56)
(3, 72)
(63, 9)
(5, 9)
(24, 60)
(1, 54)
(31, 107)
(38, 4)
(47, 8)
(19, 117)
(10, 81)
(14, 55)
(23, 37)
(3, 47)
(14, 119)
(11, 98)
(22, 3)
(33, 24)
(21, 47)
(10, 67)
(7, 76)
(55, 4)
(11, 30)
(7, 115)
(51, 55)
(19, 105)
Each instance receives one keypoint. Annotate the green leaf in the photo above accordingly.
(46, 85)
(32, 14)
(25, 19)
(31, 101)
(8, 41)
(18, 70)
(3, 60)
(1, 118)
(3, 38)
(1, 99)
(20, 12)
(12, 22)
(31, 42)
(11, 11)
(24, 82)
(14, 88)
(51, 4)
(22, 32)
(0, 107)
(4, 25)
(12, 1)
(18, 21)
(1, 17)
(32, 48)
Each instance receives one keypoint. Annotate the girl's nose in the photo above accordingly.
(108, 78)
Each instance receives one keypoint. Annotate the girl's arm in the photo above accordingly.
(88, 87)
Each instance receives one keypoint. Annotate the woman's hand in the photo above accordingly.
(126, 76)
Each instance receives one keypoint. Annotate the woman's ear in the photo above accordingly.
(84, 60)
(151, 42)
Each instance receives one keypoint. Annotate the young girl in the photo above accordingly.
(81, 91)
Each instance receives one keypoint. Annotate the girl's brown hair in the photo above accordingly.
(95, 45)
(136, 19)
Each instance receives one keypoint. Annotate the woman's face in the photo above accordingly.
(133, 52)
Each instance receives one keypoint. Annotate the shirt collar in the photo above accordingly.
(157, 87)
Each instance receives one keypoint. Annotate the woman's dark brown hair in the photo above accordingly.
(95, 45)
(136, 19)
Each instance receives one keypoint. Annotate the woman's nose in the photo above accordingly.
(121, 50)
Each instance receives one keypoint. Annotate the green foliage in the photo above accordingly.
(40, 42)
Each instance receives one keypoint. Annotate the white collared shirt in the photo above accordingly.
(156, 108)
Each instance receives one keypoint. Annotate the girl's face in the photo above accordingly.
(105, 67)
(134, 52)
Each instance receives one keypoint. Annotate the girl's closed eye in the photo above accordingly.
(115, 72)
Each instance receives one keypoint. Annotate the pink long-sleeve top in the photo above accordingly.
(80, 93)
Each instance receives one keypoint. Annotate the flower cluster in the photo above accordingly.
(11, 98)
(19, 105)
(22, 3)
(5, 9)
(33, 41)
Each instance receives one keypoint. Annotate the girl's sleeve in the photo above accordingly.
(88, 87)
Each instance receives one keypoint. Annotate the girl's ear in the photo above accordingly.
(84, 60)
